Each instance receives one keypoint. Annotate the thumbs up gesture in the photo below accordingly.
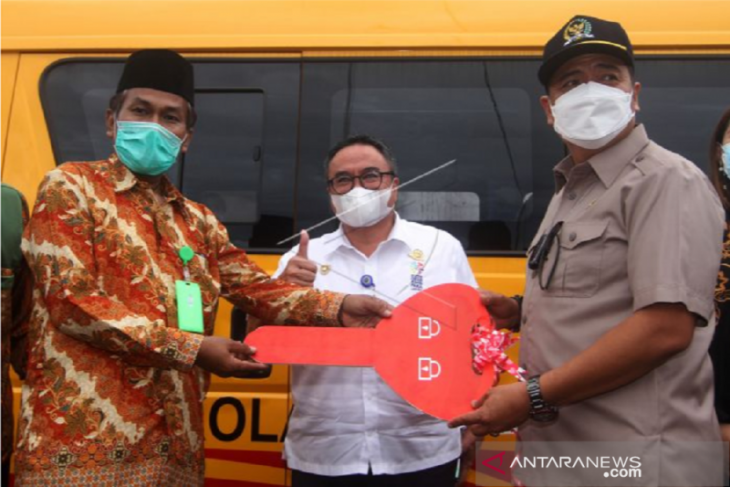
(300, 270)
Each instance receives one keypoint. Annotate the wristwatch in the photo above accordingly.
(540, 411)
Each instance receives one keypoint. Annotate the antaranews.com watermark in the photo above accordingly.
(616, 467)
(609, 464)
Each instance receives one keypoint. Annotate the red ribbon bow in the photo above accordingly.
(489, 346)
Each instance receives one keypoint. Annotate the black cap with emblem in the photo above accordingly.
(159, 69)
(584, 35)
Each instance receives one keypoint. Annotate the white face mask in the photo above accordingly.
(592, 115)
(362, 207)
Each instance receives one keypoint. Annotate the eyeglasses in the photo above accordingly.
(540, 252)
(371, 179)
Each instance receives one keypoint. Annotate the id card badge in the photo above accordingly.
(189, 306)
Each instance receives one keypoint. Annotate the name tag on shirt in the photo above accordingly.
(189, 306)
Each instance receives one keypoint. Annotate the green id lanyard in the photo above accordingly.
(188, 297)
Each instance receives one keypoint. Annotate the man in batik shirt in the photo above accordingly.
(16, 289)
(115, 387)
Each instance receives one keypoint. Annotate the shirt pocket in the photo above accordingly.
(579, 263)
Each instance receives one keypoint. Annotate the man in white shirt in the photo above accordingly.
(348, 427)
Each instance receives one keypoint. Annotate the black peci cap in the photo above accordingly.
(584, 35)
(159, 69)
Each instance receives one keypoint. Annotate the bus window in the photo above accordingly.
(681, 101)
(229, 167)
(483, 114)
(486, 115)
(75, 96)
(222, 168)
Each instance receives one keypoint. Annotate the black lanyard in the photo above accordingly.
(540, 252)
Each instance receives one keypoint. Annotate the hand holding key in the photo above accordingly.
(225, 357)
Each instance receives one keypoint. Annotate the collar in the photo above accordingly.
(399, 232)
(609, 163)
(122, 179)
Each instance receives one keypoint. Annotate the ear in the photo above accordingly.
(547, 108)
(394, 193)
(635, 97)
(109, 121)
(184, 146)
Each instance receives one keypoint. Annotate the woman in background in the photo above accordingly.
(720, 347)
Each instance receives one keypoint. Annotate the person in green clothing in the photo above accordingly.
(16, 298)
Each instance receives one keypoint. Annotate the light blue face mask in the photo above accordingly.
(726, 159)
(146, 148)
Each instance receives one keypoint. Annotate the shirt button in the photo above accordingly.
(572, 236)
(572, 195)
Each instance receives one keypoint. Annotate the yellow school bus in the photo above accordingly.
(279, 82)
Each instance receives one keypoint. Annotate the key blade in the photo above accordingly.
(309, 345)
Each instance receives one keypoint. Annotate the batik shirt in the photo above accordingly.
(112, 395)
(15, 304)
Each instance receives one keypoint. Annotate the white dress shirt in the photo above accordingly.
(347, 420)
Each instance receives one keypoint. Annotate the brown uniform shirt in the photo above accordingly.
(642, 225)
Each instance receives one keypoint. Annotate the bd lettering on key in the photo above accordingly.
(428, 369)
(428, 328)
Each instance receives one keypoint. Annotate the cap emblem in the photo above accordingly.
(577, 30)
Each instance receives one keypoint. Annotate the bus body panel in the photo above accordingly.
(114, 25)
(245, 420)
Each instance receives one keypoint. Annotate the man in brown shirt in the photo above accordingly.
(617, 314)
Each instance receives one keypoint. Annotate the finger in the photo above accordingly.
(466, 419)
(300, 279)
(304, 264)
(477, 403)
(379, 307)
(304, 275)
(371, 322)
(503, 323)
(488, 297)
(241, 349)
(479, 430)
(248, 358)
(303, 244)
(238, 365)
(250, 374)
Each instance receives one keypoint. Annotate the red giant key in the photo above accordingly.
(423, 351)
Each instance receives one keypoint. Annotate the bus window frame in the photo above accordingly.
(638, 57)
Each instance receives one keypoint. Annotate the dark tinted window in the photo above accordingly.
(252, 132)
(242, 160)
(682, 101)
(484, 114)
(222, 167)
